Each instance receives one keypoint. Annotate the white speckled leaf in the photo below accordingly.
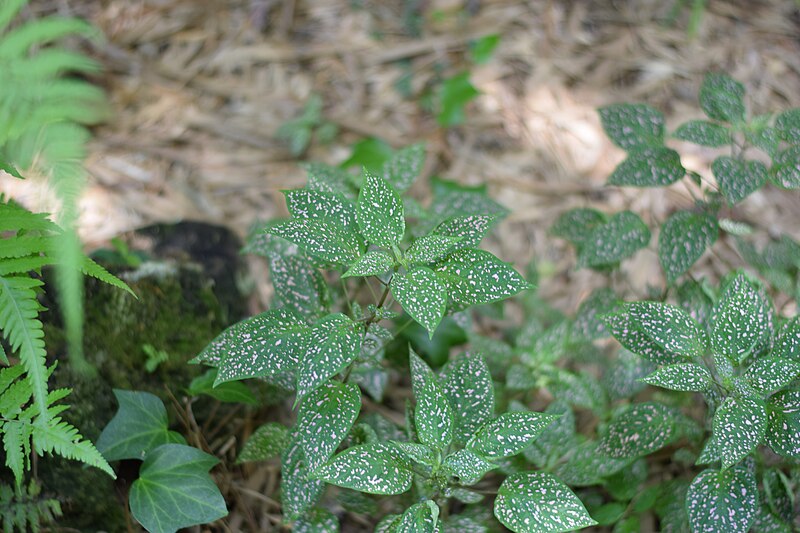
(703, 133)
(266, 442)
(787, 125)
(656, 166)
(331, 207)
(788, 344)
(470, 229)
(588, 324)
(298, 285)
(720, 501)
(684, 238)
(783, 430)
(628, 332)
(632, 126)
(372, 468)
(738, 179)
(325, 418)
(537, 502)
(433, 416)
(316, 520)
(641, 430)
(466, 466)
(785, 170)
(422, 295)
(420, 453)
(769, 374)
(586, 466)
(742, 321)
(404, 166)
(422, 517)
(321, 238)
(298, 491)
(333, 343)
(469, 388)
(328, 178)
(476, 277)
(373, 263)
(380, 212)
(617, 239)
(577, 225)
(430, 248)
(739, 426)
(670, 327)
(682, 377)
(722, 98)
(509, 434)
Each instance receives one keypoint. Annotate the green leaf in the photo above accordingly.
(509, 434)
(327, 178)
(684, 238)
(632, 336)
(783, 431)
(318, 205)
(139, 426)
(765, 138)
(469, 388)
(233, 392)
(174, 489)
(670, 327)
(533, 502)
(587, 466)
(704, 133)
(577, 225)
(738, 179)
(739, 426)
(722, 98)
(380, 212)
(742, 322)
(466, 467)
(373, 263)
(588, 324)
(320, 238)
(785, 169)
(617, 239)
(632, 126)
(266, 442)
(325, 418)
(433, 415)
(370, 153)
(724, 500)
(430, 248)
(476, 277)
(481, 49)
(316, 520)
(787, 126)
(404, 166)
(8, 168)
(557, 437)
(772, 373)
(648, 167)
(454, 94)
(788, 344)
(333, 343)
(641, 430)
(299, 491)
(298, 285)
(681, 377)
(371, 468)
(419, 453)
(422, 295)
(469, 229)
(421, 517)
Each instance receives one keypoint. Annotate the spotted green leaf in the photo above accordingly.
(433, 416)
(299, 491)
(787, 346)
(742, 321)
(557, 437)
(422, 295)
(656, 166)
(316, 520)
(266, 442)
(325, 418)
(468, 386)
(632, 336)
(765, 138)
(785, 169)
(373, 263)
(298, 285)
(372, 468)
(320, 238)
(327, 178)
(577, 225)
(422, 517)
(380, 212)
(739, 426)
(332, 344)
(331, 207)
(769, 374)
(430, 248)
(586, 466)
(469, 229)
(632, 126)
(466, 466)
(476, 277)
(588, 324)
(509, 434)
(738, 179)
(704, 133)
(684, 238)
(533, 502)
(419, 453)
(681, 377)
(783, 431)
(722, 98)
(641, 430)
(613, 241)
(670, 327)
(788, 126)
(404, 166)
(722, 500)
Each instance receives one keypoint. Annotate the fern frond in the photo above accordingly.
(24, 245)
(90, 268)
(14, 217)
(15, 398)
(23, 264)
(15, 437)
(40, 32)
(8, 376)
(60, 437)
(51, 63)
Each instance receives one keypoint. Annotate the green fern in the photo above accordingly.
(23, 508)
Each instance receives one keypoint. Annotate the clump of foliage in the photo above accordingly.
(22, 508)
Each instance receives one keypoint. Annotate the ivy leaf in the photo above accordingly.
(430, 248)
(468, 386)
(681, 377)
(466, 466)
(739, 426)
(139, 426)
(785, 170)
(174, 490)
(371, 468)
(772, 373)
(318, 205)
(670, 327)
(316, 520)
(509, 434)
(325, 418)
(649, 167)
(298, 285)
(469, 229)
(632, 336)
(531, 502)
(333, 343)
(266, 442)
(632, 126)
(433, 415)
(320, 238)
(373, 263)
(421, 517)
(722, 500)
(783, 431)
(641, 430)
(475, 277)
(684, 238)
(454, 95)
(577, 225)
(422, 295)
(738, 179)
(617, 239)
(722, 98)
(787, 125)
(742, 323)
(704, 133)
(380, 212)
(299, 491)
(404, 166)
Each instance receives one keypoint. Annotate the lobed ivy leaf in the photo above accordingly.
(380, 212)
(298, 285)
(433, 416)
(641, 430)
(722, 98)
(738, 179)
(684, 238)
(430, 248)
(613, 241)
(739, 424)
(468, 386)
(404, 166)
(656, 166)
(532, 502)
(373, 263)
(632, 126)
(670, 327)
(422, 295)
(785, 169)
(509, 434)
(466, 467)
(704, 133)
(422, 517)
(316, 520)
(325, 418)
(469, 229)
(722, 500)
(299, 491)
(632, 336)
(787, 126)
(742, 322)
(321, 238)
(681, 377)
(783, 430)
(475, 277)
(769, 374)
(372, 468)
(266, 442)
